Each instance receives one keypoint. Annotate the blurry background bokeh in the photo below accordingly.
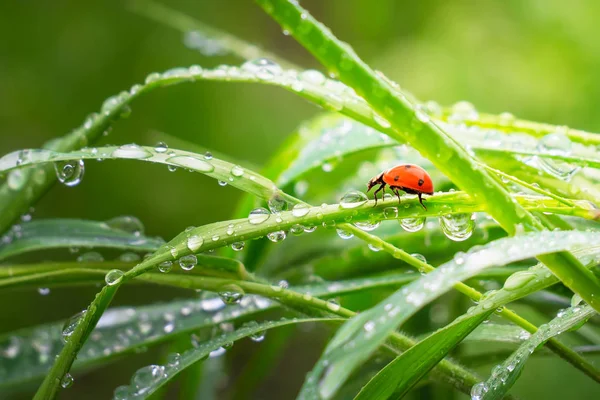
(538, 59)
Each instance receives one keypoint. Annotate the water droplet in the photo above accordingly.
(263, 68)
(44, 291)
(238, 246)
(367, 226)
(188, 262)
(556, 144)
(131, 151)
(390, 212)
(66, 381)
(313, 77)
(276, 236)
(129, 257)
(217, 353)
(277, 204)
(145, 378)
(333, 305)
(345, 234)
(310, 228)
(126, 223)
(165, 266)
(71, 324)
(258, 336)
(231, 294)
(575, 300)
(161, 147)
(419, 257)
(518, 280)
(222, 183)
(113, 277)
(90, 256)
(70, 173)
(374, 247)
(237, 171)
(208, 155)
(192, 163)
(412, 224)
(353, 199)
(258, 216)
(381, 121)
(16, 179)
(458, 227)
(478, 391)
(194, 243)
(300, 210)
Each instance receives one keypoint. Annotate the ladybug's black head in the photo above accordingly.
(374, 181)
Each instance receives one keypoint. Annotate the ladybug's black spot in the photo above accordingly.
(396, 178)
(421, 182)
(407, 166)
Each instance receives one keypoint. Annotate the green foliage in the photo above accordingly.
(526, 190)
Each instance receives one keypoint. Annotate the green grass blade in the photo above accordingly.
(73, 233)
(498, 333)
(506, 374)
(360, 336)
(164, 374)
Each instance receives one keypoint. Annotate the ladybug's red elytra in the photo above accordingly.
(409, 178)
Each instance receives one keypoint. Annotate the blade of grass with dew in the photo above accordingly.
(139, 390)
(406, 370)
(498, 333)
(417, 129)
(360, 336)
(43, 234)
(506, 374)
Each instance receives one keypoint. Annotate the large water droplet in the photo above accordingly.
(113, 277)
(353, 199)
(258, 336)
(345, 234)
(556, 144)
(69, 173)
(238, 246)
(412, 224)
(258, 216)
(237, 171)
(231, 294)
(478, 391)
(191, 163)
(131, 151)
(161, 147)
(127, 223)
(312, 76)
(300, 210)
(146, 377)
(263, 68)
(367, 226)
(91, 257)
(458, 227)
(277, 204)
(165, 266)
(71, 324)
(188, 262)
(194, 243)
(276, 236)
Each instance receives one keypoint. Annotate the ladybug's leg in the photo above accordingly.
(380, 188)
(395, 190)
(421, 201)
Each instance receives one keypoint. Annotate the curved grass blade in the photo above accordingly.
(166, 373)
(67, 233)
(498, 333)
(506, 374)
(360, 336)
(27, 354)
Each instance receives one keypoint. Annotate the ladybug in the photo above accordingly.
(409, 178)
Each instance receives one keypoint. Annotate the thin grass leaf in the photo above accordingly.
(498, 333)
(360, 336)
(72, 233)
(142, 388)
(506, 374)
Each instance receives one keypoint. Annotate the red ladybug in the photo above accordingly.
(409, 178)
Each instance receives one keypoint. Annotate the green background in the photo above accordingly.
(59, 60)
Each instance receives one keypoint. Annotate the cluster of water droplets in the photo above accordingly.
(557, 144)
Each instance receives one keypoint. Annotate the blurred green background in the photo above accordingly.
(538, 59)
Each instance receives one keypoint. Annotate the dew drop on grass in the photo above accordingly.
(313, 77)
(458, 227)
(237, 171)
(353, 199)
(113, 277)
(188, 262)
(575, 300)
(189, 162)
(173, 360)
(194, 243)
(217, 352)
(258, 336)
(300, 210)
(66, 381)
(69, 173)
(390, 212)
(231, 294)
(419, 257)
(126, 223)
(129, 257)
(412, 224)
(71, 324)
(161, 147)
(165, 266)
(277, 204)
(238, 246)
(131, 151)
(559, 144)
(518, 280)
(208, 155)
(16, 179)
(478, 391)
(345, 234)
(258, 216)
(374, 247)
(367, 226)
(90, 256)
(144, 378)
(263, 68)
(222, 183)
(44, 291)
(333, 305)
(276, 236)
